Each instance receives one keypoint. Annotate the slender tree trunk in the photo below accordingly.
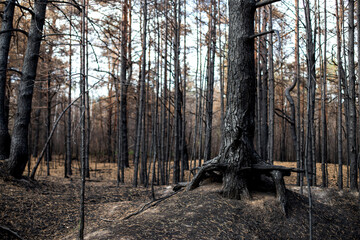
(184, 152)
(358, 73)
(118, 130)
(352, 101)
(142, 96)
(87, 106)
(68, 171)
(83, 120)
(311, 91)
(124, 89)
(19, 142)
(197, 98)
(201, 98)
(297, 77)
(48, 123)
(258, 86)
(323, 106)
(221, 70)
(210, 79)
(37, 124)
(178, 98)
(164, 133)
(271, 93)
(264, 89)
(339, 124)
(5, 38)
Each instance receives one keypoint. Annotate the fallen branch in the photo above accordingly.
(8, 230)
(150, 204)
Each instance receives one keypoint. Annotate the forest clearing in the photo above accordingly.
(48, 209)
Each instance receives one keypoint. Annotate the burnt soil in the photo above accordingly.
(48, 208)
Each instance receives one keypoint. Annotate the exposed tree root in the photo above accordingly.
(277, 174)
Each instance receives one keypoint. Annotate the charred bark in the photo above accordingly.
(5, 38)
(238, 157)
(19, 142)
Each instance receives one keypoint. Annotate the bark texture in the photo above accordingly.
(240, 111)
(238, 163)
(19, 142)
(5, 38)
(352, 101)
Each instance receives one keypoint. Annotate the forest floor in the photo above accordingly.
(48, 208)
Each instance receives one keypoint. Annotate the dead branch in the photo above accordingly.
(264, 3)
(8, 230)
(150, 204)
(261, 34)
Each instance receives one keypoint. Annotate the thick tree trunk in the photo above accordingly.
(19, 142)
(5, 38)
(240, 110)
(238, 162)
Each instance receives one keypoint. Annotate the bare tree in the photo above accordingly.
(271, 92)
(19, 142)
(140, 122)
(5, 38)
(311, 84)
(124, 88)
(210, 78)
(323, 106)
(238, 153)
(83, 119)
(178, 97)
(297, 76)
(339, 122)
(352, 101)
(68, 170)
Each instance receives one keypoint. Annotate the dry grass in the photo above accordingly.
(108, 171)
(332, 170)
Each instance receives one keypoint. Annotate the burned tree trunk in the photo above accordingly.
(238, 162)
(240, 110)
(19, 142)
(5, 38)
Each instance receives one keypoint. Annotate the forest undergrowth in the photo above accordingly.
(48, 209)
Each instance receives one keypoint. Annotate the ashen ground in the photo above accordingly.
(48, 209)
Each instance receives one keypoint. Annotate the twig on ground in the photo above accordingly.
(150, 204)
(11, 232)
